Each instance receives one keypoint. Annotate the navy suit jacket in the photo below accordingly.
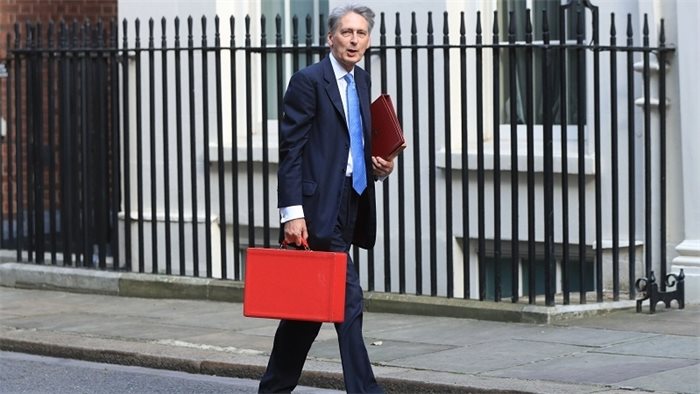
(314, 146)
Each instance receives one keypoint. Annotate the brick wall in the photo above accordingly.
(21, 11)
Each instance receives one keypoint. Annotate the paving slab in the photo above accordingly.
(580, 336)
(671, 380)
(597, 368)
(483, 357)
(666, 346)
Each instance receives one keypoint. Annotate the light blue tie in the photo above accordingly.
(359, 179)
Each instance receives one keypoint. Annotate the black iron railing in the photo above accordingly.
(102, 122)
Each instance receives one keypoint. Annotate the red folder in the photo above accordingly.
(387, 136)
(295, 285)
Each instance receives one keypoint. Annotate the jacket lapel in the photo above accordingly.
(332, 87)
(363, 92)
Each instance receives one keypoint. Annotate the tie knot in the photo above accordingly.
(348, 77)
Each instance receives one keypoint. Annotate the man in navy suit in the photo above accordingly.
(326, 189)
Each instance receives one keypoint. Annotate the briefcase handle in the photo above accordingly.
(304, 245)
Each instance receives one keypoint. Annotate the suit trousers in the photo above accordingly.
(293, 339)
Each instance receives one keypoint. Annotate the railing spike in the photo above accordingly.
(528, 21)
(629, 26)
(478, 23)
(397, 29)
(414, 28)
(613, 30)
(445, 28)
(494, 29)
(382, 24)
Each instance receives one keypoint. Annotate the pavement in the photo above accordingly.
(74, 313)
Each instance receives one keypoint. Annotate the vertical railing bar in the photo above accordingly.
(631, 160)
(8, 150)
(139, 149)
(279, 88)
(152, 147)
(39, 167)
(549, 258)
(4, 138)
(481, 210)
(432, 193)
(401, 170)
(496, 159)
(295, 43)
(662, 153)
(18, 145)
(126, 162)
(321, 37)
(580, 87)
(530, 119)
(30, 97)
(166, 146)
(614, 157)
(385, 185)
(370, 253)
(416, 156)
(193, 147)
(309, 38)
(514, 211)
(115, 154)
(265, 137)
(564, 122)
(85, 144)
(75, 145)
(205, 148)
(63, 127)
(448, 161)
(51, 101)
(220, 149)
(466, 247)
(234, 158)
(648, 238)
(102, 175)
(597, 150)
(249, 136)
(180, 150)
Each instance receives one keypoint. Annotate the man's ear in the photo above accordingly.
(329, 39)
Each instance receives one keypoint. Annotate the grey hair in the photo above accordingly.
(340, 11)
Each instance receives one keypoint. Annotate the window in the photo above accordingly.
(519, 8)
(286, 9)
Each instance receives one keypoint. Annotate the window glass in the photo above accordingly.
(518, 8)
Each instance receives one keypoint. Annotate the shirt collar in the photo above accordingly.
(338, 70)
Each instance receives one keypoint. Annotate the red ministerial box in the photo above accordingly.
(295, 285)
(387, 136)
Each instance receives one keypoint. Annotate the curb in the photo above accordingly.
(320, 379)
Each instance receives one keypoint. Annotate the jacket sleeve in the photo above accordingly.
(297, 119)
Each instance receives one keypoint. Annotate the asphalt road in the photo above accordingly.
(30, 374)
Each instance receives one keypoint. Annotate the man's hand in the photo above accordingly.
(381, 168)
(295, 232)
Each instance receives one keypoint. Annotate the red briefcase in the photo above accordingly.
(295, 285)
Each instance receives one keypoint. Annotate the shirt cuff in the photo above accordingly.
(291, 213)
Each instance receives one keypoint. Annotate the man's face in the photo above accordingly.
(350, 40)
